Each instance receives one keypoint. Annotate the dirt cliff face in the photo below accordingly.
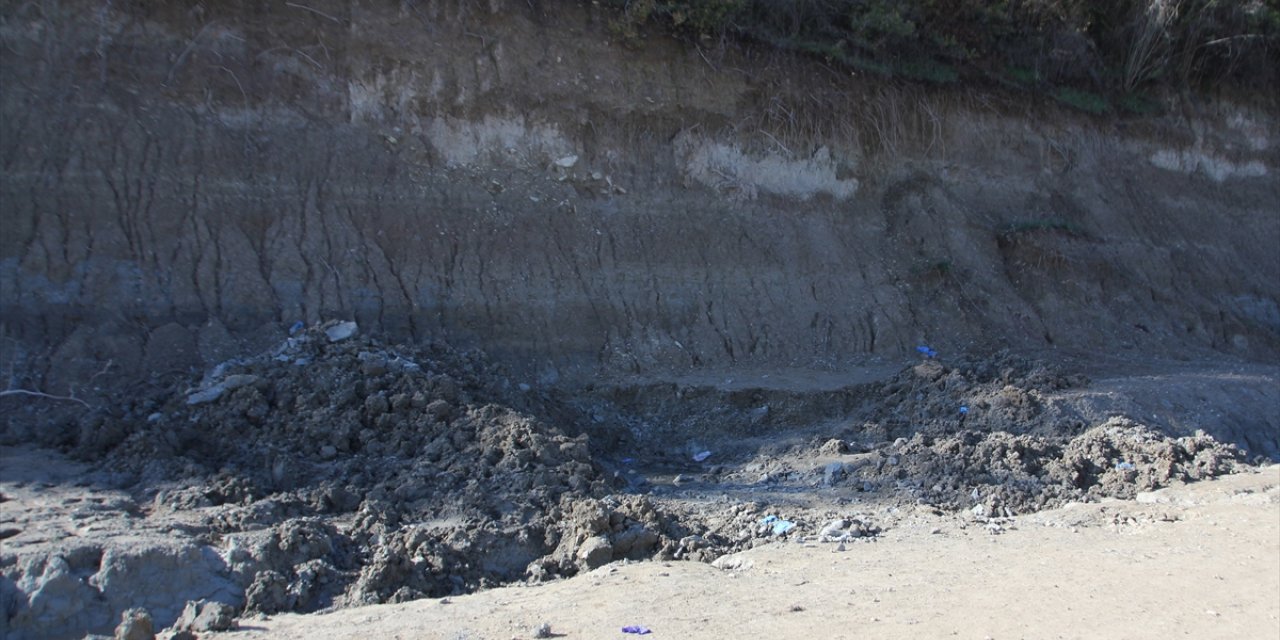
(181, 181)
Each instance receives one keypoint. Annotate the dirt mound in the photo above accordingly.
(990, 435)
(999, 393)
(335, 470)
(1005, 474)
(441, 486)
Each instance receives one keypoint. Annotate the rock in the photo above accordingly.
(694, 543)
(834, 447)
(230, 383)
(401, 401)
(135, 624)
(268, 593)
(833, 473)
(595, 552)
(341, 331)
(206, 615)
(235, 381)
(206, 395)
(376, 405)
(439, 409)
(372, 365)
(567, 162)
(732, 562)
(834, 530)
(542, 631)
(635, 542)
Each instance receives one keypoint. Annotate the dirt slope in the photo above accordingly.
(179, 181)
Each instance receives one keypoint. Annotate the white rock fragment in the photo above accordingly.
(214, 392)
(567, 162)
(733, 562)
(206, 395)
(834, 530)
(341, 331)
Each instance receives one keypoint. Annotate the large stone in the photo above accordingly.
(135, 624)
(595, 552)
(341, 331)
(206, 615)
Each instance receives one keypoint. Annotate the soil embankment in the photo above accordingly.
(181, 180)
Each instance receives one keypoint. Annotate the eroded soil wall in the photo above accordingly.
(180, 181)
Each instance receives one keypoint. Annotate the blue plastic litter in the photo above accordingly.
(964, 410)
(297, 326)
(928, 353)
(1125, 466)
(636, 629)
(699, 457)
(628, 460)
(780, 526)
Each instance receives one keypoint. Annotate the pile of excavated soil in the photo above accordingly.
(383, 474)
(1002, 474)
(335, 470)
(984, 435)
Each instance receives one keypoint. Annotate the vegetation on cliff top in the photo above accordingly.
(1094, 55)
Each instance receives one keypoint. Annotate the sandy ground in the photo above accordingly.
(1195, 561)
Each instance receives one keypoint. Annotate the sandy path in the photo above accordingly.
(1199, 561)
